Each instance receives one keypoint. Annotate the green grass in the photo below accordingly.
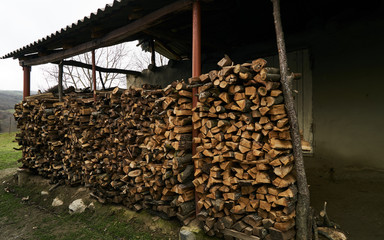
(104, 224)
(108, 223)
(8, 205)
(8, 156)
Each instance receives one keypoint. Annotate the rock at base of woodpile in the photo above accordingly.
(22, 176)
(77, 206)
(191, 230)
(57, 202)
(186, 235)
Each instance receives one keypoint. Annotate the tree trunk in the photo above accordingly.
(302, 207)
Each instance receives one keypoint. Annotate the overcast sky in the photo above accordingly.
(24, 21)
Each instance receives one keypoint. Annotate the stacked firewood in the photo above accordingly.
(174, 133)
(134, 147)
(139, 107)
(131, 146)
(159, 164)
(75, 112)
(244, 179)
(40, 134)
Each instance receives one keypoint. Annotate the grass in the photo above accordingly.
(8, 156)
(35, 219)
(91, 226)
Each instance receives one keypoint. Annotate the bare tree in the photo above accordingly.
(142, 59)
(121, 56)
(117, 56)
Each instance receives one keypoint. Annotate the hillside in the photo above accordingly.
(8, 99)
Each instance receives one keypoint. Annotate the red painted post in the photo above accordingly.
(196, 41)
(26, 82)
(94, 75)
(196, 65)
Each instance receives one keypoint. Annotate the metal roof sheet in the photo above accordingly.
(228, 26)
(110, 17)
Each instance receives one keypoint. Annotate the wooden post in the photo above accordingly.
(196, 64)
(153, 54)
(27, 82)
(94, 74)
(302, 207)
(60, 84)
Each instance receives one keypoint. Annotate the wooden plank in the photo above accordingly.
(239, 235)
(100, 69)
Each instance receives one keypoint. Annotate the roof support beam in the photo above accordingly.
(100, 69)
(60, 80)
(113, 37)
(196, 68)
(94, 74)
(27, 81)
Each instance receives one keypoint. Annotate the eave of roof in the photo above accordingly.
(121, 12)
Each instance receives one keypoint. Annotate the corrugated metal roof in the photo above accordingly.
(227, 25)
(112, 16)
(69, 28)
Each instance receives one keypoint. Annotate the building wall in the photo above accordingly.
(163, 75)
(348, 107)
(175, 70)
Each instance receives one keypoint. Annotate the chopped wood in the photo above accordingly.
(134, 147)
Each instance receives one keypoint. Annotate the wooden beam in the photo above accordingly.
(60, 85)
(115, 36)
(94, 74)
(196, 69)
(153, 53)
(100, 69)
(239, 235)
(168, 49)
(303, 202)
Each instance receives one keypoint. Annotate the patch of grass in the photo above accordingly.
(8, 156)
(106, 226)
(8, 205)
(107, 222)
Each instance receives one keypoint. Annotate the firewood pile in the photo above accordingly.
(244, 164)
(134, 147)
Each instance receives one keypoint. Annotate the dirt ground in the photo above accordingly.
(354, 199)
(27, 214)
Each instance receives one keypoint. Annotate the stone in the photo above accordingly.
(44, 193)
(186, 235)
(24, 199)
(77, 206)
(91, 206)
(57, 202)
(22, 176)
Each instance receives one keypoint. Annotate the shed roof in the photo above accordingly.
(227, 24)
(114, 16)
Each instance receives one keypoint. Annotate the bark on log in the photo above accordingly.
(302, 208)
